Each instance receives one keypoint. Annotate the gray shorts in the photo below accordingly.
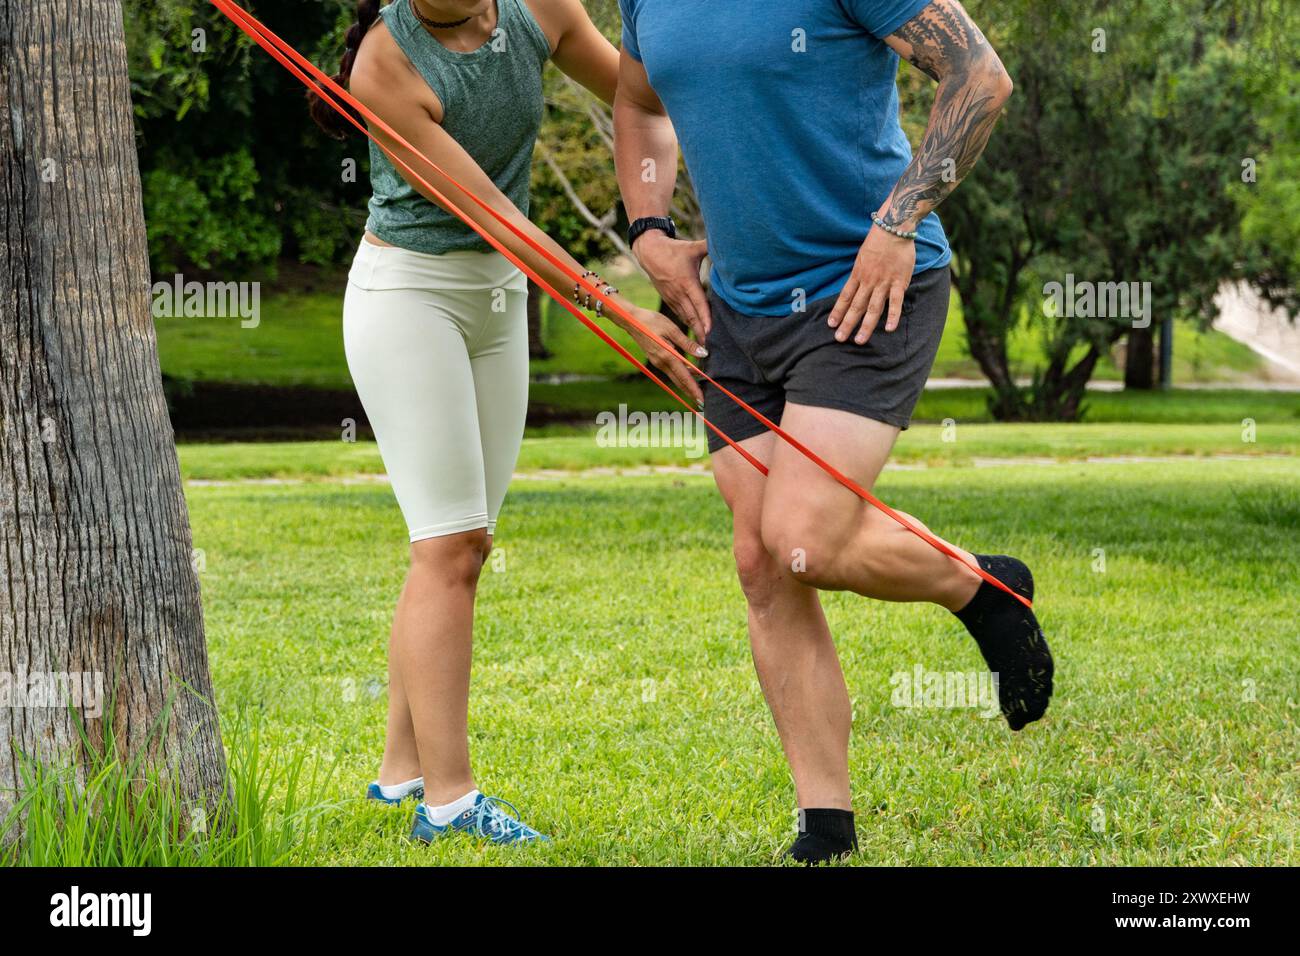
(769, 360)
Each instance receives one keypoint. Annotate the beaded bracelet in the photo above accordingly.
(584, 299)
(577, 289)
(600, 303)
(900, 233)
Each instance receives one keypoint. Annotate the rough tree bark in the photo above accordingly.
(95, 548)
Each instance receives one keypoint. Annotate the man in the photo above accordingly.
(820, 225)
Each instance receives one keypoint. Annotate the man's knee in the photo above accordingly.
(759, 574)
(797, 540)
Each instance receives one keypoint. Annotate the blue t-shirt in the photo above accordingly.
(787, 113)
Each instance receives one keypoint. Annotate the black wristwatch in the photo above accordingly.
(646, 224)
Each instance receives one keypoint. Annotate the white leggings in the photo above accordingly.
(438, 350)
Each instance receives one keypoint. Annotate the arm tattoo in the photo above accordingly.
(946, 45)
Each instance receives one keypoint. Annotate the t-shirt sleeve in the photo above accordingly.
(880, 18)
(628, 9)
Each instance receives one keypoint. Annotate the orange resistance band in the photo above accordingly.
(339, 98)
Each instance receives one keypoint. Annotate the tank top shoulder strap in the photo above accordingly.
(516, 16)
(400, 20)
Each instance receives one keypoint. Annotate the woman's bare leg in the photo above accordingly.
(429, 667)
(401, 757)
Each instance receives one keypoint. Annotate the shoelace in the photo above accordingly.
(495, 815)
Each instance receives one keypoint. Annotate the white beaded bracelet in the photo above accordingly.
(900, 233)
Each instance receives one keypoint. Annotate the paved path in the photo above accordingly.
(556, 474)
(1244, 316)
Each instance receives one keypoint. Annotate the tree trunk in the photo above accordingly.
(536, 347)
(1140, 359)
(988, 347)
(99, 582)
(1073, 387)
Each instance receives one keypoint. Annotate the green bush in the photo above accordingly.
(201, 212)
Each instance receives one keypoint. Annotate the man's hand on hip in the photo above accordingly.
(879, 281)
(674, 267)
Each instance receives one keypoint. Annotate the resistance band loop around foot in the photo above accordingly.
(345, 104)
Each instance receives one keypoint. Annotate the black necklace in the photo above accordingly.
(436, 24)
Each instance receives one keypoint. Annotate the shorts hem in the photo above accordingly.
(451, 527)
(753, 428)
(875, 414)
(900, 422)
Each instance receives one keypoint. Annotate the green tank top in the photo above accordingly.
(492, 106)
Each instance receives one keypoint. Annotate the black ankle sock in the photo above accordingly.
(824, 835)
(1011, 641)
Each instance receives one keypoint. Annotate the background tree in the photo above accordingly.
(1116, 161)
(1269, 197)
(95, 546)
(235, 174)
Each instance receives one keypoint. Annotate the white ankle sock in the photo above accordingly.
(441, 816)
(397, 791)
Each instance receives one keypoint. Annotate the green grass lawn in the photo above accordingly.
(577, 449)
(615, 701)
(1181, 405)
(298, 342)
(1178, 406)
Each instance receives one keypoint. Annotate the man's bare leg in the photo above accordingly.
(798, 669)
(841, 542)
(844, 544)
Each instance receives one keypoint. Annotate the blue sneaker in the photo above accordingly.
(374, 793)
(491, 818)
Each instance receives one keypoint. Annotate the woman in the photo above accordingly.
(435, 332)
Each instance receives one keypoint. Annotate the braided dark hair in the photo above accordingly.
(326, 117)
